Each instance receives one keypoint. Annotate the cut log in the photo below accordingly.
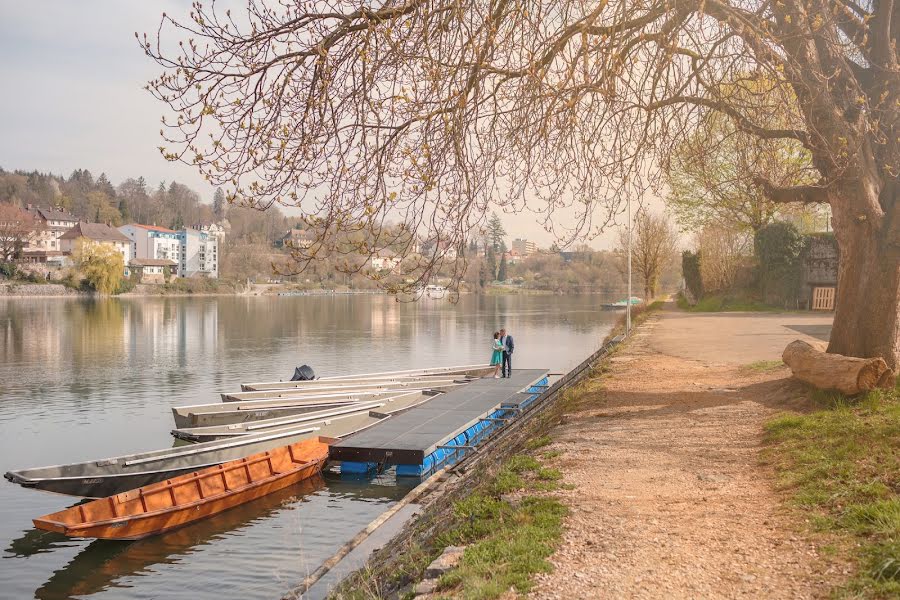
(847, 374)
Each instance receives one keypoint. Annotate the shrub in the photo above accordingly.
(690, 268)
(778, 248)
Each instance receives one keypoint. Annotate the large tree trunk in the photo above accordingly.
(867, 310)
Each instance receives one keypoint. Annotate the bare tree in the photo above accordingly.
(723, 251)
(431, 112)
(653, 242)
(17, 229)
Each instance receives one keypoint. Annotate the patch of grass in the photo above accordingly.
(761, 366)
(726, 303)
(841, 465)
(551, 454)
(505, 545)
(538, 442)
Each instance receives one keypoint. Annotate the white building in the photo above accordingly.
(524, 247)
(150, 241)
(98, 233)
(384, 261)
(199, 254)
(49, 225)
(195, 253)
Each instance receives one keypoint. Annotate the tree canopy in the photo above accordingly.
(435, 112)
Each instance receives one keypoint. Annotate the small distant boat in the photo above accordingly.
(167, 505)
(108, 476)
(467, 371)
(435, 292)
(622, 304)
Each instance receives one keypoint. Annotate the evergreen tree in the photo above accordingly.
(501, 272)
(496, 232)
(220, 206)
(491, 263)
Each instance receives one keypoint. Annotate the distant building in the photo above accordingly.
(214, 230)
(152, 270)
(296, 238)
(49, 225)
(194, 252)
(199, 254)
(384, 260)
(513, 257)
(524, 247)
(97, 233)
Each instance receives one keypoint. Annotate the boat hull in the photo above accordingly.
(174, 503)
(100, 478)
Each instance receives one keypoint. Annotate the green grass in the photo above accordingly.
(538, 442)
(841, 466)
(726, 303)
(761, 366)
(506, 543)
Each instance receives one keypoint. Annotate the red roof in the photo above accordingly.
(152, 228)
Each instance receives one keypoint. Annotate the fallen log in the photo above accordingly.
(847, 374)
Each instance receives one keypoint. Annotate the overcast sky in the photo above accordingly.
(72, 78)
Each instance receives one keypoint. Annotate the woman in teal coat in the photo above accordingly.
(497, 356)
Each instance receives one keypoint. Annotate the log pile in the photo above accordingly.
(847, 374)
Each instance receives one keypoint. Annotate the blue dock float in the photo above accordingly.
(441, 431)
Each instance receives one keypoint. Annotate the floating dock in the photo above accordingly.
(440, 430)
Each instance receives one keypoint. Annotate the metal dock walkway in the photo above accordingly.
(410, 437)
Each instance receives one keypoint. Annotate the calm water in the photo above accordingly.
(89, 379)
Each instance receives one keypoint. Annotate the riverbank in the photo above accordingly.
(690, 464)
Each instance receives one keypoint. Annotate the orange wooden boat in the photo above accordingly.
(176, 502)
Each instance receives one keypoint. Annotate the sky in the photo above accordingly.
(72, 96)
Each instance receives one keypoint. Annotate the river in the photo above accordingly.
(83, 379)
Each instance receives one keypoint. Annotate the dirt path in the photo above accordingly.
(670, 498)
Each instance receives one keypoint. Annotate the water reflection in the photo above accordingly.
(83, 379)
(102, 563)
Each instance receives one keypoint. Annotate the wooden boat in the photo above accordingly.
(227, 413)
(108, 476)
(341, 387)
(338, 422)
(467, 371)
(167, 505)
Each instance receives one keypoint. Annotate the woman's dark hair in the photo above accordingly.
(496, 334)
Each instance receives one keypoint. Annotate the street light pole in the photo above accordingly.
(628, 300)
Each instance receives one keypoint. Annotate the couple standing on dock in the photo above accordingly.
(503, 347)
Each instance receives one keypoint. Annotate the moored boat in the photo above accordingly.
(108, 476)
(226, 413)
(466, 370)
(329, 387)
(335, 423)
(167, 505)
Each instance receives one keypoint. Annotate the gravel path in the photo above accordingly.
(670, 498)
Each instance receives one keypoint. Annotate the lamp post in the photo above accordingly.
(628, 300)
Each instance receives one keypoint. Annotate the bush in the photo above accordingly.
(778, 248)
(690, 268)
(8, 270)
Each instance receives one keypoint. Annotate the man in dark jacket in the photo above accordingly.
(508, 346)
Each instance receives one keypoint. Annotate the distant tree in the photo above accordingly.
(496, 232)
(490, 263)
(653, 244)
(220, 205)
(102, 265)
(501, 271)
(17, 229)
(721, 252)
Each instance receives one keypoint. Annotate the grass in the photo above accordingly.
(726, 303)
(761, 366)
(841, 466)
(506, 543)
